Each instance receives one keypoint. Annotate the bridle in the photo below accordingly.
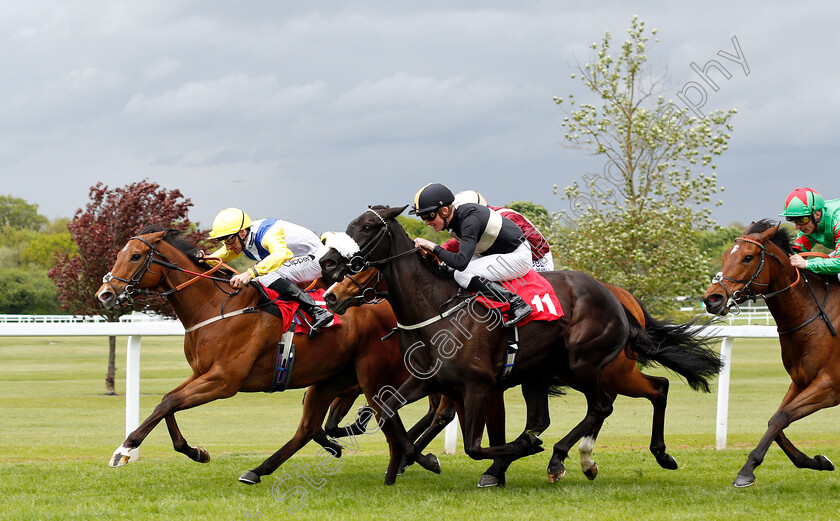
(752, 295)
(151, 258)
(732, 300)
(368, 292)
(361, 261)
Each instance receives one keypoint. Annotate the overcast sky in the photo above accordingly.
(309, 111)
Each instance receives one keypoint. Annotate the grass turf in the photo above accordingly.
(59, 431)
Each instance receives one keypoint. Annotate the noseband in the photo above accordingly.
(750, 294)
(135, 279)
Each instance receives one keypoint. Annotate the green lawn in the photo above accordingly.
(58, 432)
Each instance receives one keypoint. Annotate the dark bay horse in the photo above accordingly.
(806, 308)
(621, 376)
(463, 356)
(239, 353)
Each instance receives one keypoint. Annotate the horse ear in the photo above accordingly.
(391, 213)
(767, 234)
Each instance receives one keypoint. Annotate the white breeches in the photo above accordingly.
(296, 270)
(497, 267)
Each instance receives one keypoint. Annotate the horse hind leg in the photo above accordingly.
(623, 377)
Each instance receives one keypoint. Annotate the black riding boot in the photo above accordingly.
(320, 316)
(519, 309)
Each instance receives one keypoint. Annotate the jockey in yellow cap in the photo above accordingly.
(286, 254)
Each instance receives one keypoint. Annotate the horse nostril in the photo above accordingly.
(330, 298)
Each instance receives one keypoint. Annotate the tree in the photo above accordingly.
(27, 291)
(45, 249)
(635, 223)
(17, 213)
(99, 231)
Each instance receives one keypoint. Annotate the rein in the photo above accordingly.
(360, 262)
(751, 295)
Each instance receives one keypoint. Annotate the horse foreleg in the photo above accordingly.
(442, 414)
(194, 391)
(197, 453)
(818, 395)
(339, 408)
(386, 411)
(315, 405)
(801, 460)
(599, 407)
(528, 443)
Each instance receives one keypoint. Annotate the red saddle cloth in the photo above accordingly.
(289, 308)
(537, 292)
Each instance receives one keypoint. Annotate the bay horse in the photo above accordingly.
(239, 352)
(469, 355)
(806, 308)
(621, 376)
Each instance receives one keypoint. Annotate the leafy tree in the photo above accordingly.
(17, 213)
(100, 230)
(536, 213)
(635, 223)
(45, 249)
(25, 291)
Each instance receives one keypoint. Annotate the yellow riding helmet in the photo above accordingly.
(228, 222)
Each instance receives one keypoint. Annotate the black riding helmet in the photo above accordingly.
(431, 197)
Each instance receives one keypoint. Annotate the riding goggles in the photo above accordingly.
(804, 219)
(429, 216)
(227, 239)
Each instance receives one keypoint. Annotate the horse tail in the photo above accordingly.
(678, 347)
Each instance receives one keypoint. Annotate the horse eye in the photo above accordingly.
(748, 258)
(366, 228)
(135, 257)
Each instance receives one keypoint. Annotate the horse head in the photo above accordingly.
(132, 270)
(371, 233)
(365, 287)
(751, 268)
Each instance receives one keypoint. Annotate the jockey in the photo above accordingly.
(817, 222)
(491, 248)
(286, 254)
(541, 257)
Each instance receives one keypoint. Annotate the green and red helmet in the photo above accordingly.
(802, 202)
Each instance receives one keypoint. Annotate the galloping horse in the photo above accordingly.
(807, 309)
(469, 355)
(239, 352)
(621, 376)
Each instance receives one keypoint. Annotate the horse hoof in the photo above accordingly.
(743, 481)
(592, 472)
(430, 462)
(118, 460)
(824, 462)
(554, 476)
(666, 461)
(202, 455)
(488, 480)
(249, 478)
(120, 457)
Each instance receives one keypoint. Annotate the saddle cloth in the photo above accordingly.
(289, 310)
(536, 291)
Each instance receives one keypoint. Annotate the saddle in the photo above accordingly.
(289, 310)
(536, 291)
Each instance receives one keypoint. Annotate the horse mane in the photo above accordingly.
(782, 238)
(176, 239)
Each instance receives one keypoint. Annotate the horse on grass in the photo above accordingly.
(466, 359)
(233, 348)
(806, 308)
(620, 377)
